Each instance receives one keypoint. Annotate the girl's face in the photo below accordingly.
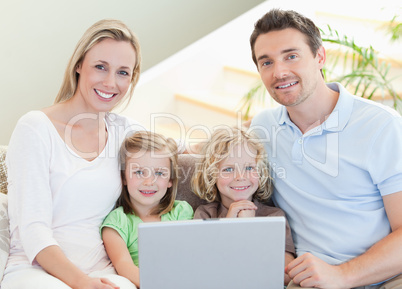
(147, 178)
(105, 74)
(238, 175)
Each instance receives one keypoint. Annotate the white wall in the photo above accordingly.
(38, 37)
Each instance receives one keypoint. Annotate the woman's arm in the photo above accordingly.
(30, 197)
(53, 260)
(118, 253)
(31, 201)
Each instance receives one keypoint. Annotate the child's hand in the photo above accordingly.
(243, 205)
(246, 214)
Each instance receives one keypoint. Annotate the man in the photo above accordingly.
(336, 161)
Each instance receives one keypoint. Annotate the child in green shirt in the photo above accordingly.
(149, 176)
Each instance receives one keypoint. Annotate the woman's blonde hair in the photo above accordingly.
(101, 30)
(146, 141)
(216, 150)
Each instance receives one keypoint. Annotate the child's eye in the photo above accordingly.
(159, 174)
(250, 168)
(139, 172)
(229, 170)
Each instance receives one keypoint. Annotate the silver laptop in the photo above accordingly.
(216, 253)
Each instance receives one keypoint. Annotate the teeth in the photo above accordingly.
(148, 192)
(104, 95)
(287, 85)
(240, 188)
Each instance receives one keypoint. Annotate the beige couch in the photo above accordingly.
(186, 169)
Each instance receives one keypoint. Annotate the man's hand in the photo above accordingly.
(239, 206)
(310, 271)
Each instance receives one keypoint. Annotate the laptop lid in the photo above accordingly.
(215, 253)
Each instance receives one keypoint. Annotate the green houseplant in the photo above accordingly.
(394, 29)
(358, 68)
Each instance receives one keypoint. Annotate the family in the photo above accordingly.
(81, 178)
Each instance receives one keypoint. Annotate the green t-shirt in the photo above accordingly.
(127, 224)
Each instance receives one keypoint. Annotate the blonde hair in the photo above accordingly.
(216, 150)
(146, 141)
(101, 30)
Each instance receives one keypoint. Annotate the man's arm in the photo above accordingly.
(382, 261)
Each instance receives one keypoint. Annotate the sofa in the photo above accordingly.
(186, 165)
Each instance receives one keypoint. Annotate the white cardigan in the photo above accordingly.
(57, 197)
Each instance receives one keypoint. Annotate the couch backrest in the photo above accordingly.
(186, 168)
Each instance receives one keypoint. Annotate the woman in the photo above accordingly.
(63, 168)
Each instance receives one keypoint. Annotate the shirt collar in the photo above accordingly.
(338, 118)
(284, 116)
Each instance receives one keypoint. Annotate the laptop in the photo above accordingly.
(212, 254)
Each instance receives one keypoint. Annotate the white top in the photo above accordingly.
(57, 197)
(330, 181)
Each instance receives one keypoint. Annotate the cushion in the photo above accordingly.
(4, 234)
(3, 171)
(186, 164)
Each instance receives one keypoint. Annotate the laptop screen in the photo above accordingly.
(214, 253)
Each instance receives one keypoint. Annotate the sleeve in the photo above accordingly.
(30, 197)
(384, 162)
(202, 212)
(118, 221)
(182, 211)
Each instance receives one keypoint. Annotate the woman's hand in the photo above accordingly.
(236, 209)
(95, 283)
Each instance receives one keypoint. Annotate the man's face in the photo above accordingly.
(288, 68)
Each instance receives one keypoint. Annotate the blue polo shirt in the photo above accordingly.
(330, 180)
